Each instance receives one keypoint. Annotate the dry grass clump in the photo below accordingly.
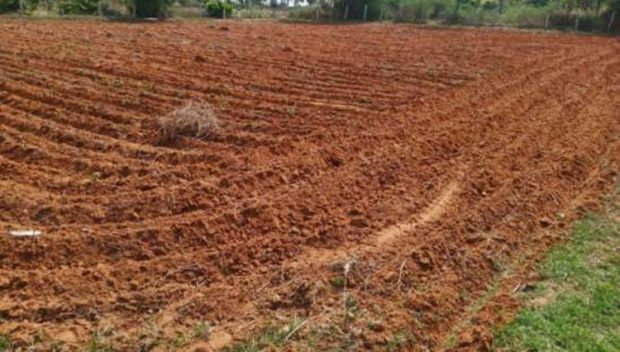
(196, 120)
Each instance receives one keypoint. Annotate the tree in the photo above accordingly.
(9, 6)
(78, 7)
(149, 8)
(355, 9)
(219, 9)
(18, 5)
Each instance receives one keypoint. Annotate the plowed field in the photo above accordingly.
(385, 185)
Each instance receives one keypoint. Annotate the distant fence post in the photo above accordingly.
(21, 7)
(99, 8)
(547, 21)
(611, 21)
(317, 13)
(577, 23)
(346, 12)
(365, 11)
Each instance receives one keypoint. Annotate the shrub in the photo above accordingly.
(590, 22)
(78, 7)
(9, 6)
(262, 12)
(192, 120)
(472, 15)
(310, 13)
(561, 19)
(150, 8)
(421, 10)
(217, 8)
(525, 16)
(356, 9)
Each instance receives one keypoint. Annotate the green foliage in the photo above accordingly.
(5, 343)
(9, 6)
(422, 10)
(217, 8)
(356, 9)
(271, 338)
(78, 7)
(337, 281)
(582, 295)
(190, 3)
(310, 12)
(525, 16)
(149, 8)
(589, 22)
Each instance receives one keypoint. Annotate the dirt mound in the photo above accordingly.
(426, 165)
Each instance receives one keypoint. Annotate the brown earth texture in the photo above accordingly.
(371, 187)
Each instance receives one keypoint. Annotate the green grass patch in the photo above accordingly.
(577, 305)
(5, 343)
(271, 338)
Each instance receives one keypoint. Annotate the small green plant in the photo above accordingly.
(98, 344)
(5, 343)
(181, 340)
(271, 338)
(337, 281)
(351, 308)
(202, 330)
(291, 112)
(400, 341)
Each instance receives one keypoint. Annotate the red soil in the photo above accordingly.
(436, 161)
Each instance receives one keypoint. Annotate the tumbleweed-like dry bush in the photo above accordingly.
(195, 120)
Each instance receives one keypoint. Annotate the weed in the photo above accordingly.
(400, 341)
(351, 308)
(499, 263)
(56, 346)
(5, 343)
(181, 340)
(98, 344)
(202, 331)
(271, 338)
(291, 112)
(337, 281)
(431, 72)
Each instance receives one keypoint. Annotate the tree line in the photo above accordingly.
(137, 8)
(574, 14)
